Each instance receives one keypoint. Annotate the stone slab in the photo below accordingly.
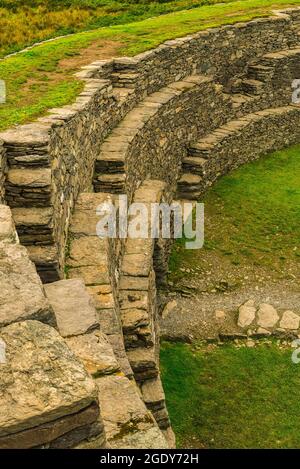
(21, 293)
(96, 353)
(73, 307)
(42, 380)
(51, 431)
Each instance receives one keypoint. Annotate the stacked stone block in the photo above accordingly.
(236, 143)
(47, 398)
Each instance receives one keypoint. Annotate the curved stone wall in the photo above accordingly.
(162, 125)
(51, 161)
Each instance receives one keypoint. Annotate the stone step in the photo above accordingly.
(46, 260)
(125, 80)
(127, 422)
(34, 225)
(28, 187)
(240, 100)
(111, 162)
(111, 183)
(260, 72)
(143, 361)
(194, 165)
(188, 187)
(251, 87)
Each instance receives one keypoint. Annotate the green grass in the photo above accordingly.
(55, 85)
(225, 397)
(254, 216)
(26, 21)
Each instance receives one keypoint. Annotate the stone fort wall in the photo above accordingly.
(161, 125)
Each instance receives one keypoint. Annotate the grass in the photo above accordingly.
(25, 22)
(42, 77)
(253, 216)
(228, 397)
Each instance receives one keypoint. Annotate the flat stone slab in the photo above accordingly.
(126, 418)
(96, 353)
(63, 428)
(150, 438)
(73, 307)
(42, 380)
(152, 391)
(21, 293)
(7, 227)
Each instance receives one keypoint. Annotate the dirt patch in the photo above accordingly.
(98, 50)
(218, 285)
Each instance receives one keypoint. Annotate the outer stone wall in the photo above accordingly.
(181, 114)
(51, 161)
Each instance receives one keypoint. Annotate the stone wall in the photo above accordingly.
(163, 124)
(51, 161)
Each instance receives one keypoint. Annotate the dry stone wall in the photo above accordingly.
(160, 125)
(51, 161)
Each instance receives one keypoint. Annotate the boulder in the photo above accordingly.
(289, 320)
(246, 314)
(267, 316)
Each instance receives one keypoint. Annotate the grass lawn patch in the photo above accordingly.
(42, 77)
(252, 217)
(228, 397)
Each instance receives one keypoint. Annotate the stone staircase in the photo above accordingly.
(127, 423)
(111, 167)
(28, 192)
(124, 420)
(267, 82)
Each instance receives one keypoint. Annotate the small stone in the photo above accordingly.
(246, 314)
(250, 343)
(220, 315)
(262, 331)
(169, 308)
(289, 320)
(267, 316)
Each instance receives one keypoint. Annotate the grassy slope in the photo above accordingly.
(36, 80)
(254, 213)
(26, 21)
(224, 397)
